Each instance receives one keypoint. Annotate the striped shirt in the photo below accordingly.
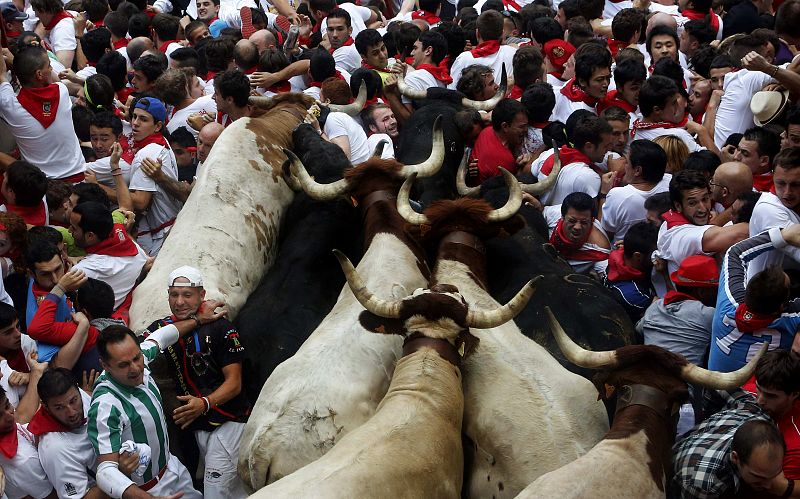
(119, 413)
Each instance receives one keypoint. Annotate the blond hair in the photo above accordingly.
(676, 150)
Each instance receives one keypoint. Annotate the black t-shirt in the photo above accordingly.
(187, 173)
(197, 369)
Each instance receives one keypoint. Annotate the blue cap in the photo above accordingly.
(153, 106)
(216, 27)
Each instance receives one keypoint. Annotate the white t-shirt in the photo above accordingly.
(504, 56)
(552, 214)
(119, 272)
(611, 8)
(733, 113)
(15, 393)
(675, 244)
(358, 18)
(24, 473)
(388, 149)
(420, 79)
(123, 51)
(624, 207)
(172, 47)
(102, 169)
(62, 36)
(55, 150)
(86, 72)
(339, 124)
(769, 212)
(66, 456)
(574, 177)
(682, 134)
(178, 119)
(347, 58)
(565, 107)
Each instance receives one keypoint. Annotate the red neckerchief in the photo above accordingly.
(370, 66)
(99, 23)
(516, 92)
(33, 215)
(568, 156)
(445, 62)
(56, 19)
(43, 422)
(676, 296)
(118, 243)
(674, 219)
(124, 93)
(614, 98)
(210, 75)
(428, 17)
(557, 74)
(129, 152)
(749, 322)
(41, 103)
(618, 271)
(371, 102)
(251, 70)
(438, 72)
(573, 92)
(763, 182)
(317, 26)
(641, 125)
(281, 87)
(347, 42)
(486, 48)
(318, 84)
(13, 34)
(698, 118)
(208, 23)
(224, 119)
(17, 362)
(615, 45)
(700, 16)
(9, 443)
(163, 47)
(571, 250)
(511, 5)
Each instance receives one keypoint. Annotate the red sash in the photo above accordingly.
(41, 103)
(763, 183)
(641, 125)
(163, 47)
(568, 156)
(573, 250)
(618, 271)
(129, 152)
(440, 73)
(573, 92)
(428, 17)
(43, 422)
(9, 442)
(674, 219)
(56, 19)
(749, 322)
(700, 16)
(486, 48)
(118, 243)
(33, 215)
(122, 42)
(348, 42)
(612, 99)
(676, 296)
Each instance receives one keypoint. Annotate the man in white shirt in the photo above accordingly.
(588, 87)
(757, 149)
(165, 33)
(576, 234)
(360, 17)
(340, 36)
(730, 181)
(40, 117)
(342, 129)
(58, 27)
(644, 176)
(489, 52)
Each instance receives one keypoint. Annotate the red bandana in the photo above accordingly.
(674, 219)
(572, 250)
(210, 75)
(251, 70)
(486, 48)
(749, 322)
(428, 17)
(129, 152)
(349, 41)
(440, 73)
(43, 422)
(615, 46)
(763, 182)
(56, 19)
(568, 156)
(370, 66)
(32, 215)
(700, 16)
(122, 42)
(641, 125)
(124, 93)
(516, 92)
(574, 93)
(41, 103)
(618, 271)
(614, 98)
(281, 87)
(163, 47)
(208, 23)
(318, 84)
(9, 443)
(512, 5)
(118, 243)
(317, 26)
(676, 296)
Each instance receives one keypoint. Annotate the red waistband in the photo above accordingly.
(74, 179)
(152, 483)
(161, 227)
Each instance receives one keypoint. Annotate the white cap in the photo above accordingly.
(193, 275)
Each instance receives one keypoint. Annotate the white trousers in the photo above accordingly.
(176, 479)
(220, 450)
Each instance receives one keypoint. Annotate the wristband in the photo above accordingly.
(58, 287)
(774, 72)
(208, 404)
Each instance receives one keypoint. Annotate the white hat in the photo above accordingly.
(193, 275)
(768, 105)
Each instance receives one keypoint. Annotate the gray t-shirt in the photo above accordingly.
(682, 327)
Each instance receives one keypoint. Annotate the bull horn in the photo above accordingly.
(259, 101)
(404, 207)
(545, 185)
(320, 192)
(514, 199)
(461, 177)
(409, 92)
(290, 179)
(430, 166)
(488, 105)
(721, 381)
(379, 307)
(354, 107)
(378, 151)
(574, 353)
(485, 319)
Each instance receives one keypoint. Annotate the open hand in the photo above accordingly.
(189, 411)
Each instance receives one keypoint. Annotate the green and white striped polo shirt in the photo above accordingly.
(119, 413)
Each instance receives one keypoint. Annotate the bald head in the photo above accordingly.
(263, 39)
(730, 180)
(245, 54)
(138, 46)
(661, 19)
(206, 139)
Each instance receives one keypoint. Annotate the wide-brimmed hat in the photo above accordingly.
(767, 105)
(697, 271)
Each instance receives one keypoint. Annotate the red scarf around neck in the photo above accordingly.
(572, 250)
(32, 215)
(615, 46)
(700, 16)
(129, 152)
(281, 87)
(9, 443)
(614, 98)
(485, 49)
(428, 17)
(251, 70)
(618, 271)
(122, 42)
(366, 65)
(318, 84)
(516, 92)
(208, 23)
(347, 43)
(568, 156)
(575, 93)
(163, 47)
(749, 322)
(41, 103)
(676, 296)
(318, 26)
(674, 219)
(43, 422)
(57, 19)
(763, 182)
(118, 243)
(438, 72)
(641, 125)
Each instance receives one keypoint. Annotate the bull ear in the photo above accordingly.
(380, 325)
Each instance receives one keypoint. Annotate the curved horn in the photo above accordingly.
(354, 107)
(574, 353)
(430, 166)
(488, 105)
(409, 92)
(259, 101)
(485, 319)
(320, 192)
(461, 177)
(404, 207)
(379, 307)
(378, 151)
(290, 179)
(545, 185)
(514, 199)
(721, 381)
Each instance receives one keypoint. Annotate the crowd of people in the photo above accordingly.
(675, 125)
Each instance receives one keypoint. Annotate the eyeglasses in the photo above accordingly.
(712, 184)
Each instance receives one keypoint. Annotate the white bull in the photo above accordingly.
(229, 225)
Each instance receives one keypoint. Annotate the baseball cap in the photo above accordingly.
(191, 274)
(11, 13)
(697, 271)
(153, 106)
